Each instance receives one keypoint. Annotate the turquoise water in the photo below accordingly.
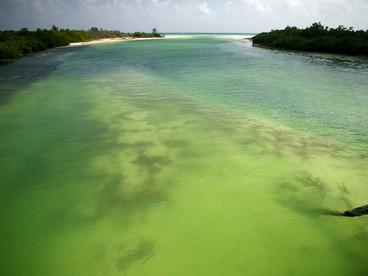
(198, 155)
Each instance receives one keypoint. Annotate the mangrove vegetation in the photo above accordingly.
(14, 44)
(316, 38)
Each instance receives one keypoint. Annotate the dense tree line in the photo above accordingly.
(14, 44)
(316, 38)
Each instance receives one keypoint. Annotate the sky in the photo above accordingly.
(230, 16)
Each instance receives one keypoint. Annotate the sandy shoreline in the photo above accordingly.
(169, 36)
(104, 40)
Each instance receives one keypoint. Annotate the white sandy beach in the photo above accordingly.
(104, 40)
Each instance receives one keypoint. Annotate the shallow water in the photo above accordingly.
(191, 156)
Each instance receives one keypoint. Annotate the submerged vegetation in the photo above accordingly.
(316, 38)
(14, 44)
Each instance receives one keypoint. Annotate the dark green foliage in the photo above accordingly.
(96, 33)
(316, 38)
(14, 44)
(154, 34)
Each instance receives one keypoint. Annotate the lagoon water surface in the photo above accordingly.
(199, 155)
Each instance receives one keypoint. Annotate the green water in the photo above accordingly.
(189, 156)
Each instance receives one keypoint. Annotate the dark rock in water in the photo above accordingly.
(359, 211)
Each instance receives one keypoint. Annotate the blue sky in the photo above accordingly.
(182, 15)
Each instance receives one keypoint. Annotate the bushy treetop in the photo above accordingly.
(316, 38)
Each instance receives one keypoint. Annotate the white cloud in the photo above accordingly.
(263, 6)
(293, 3)
(229, 7)
(205, 10)
(267, 6)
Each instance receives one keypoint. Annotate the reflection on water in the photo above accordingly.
(132, 171)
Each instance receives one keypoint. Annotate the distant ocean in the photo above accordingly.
(196, 154)
(213, 35)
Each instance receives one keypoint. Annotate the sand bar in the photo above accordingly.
(104, 40)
